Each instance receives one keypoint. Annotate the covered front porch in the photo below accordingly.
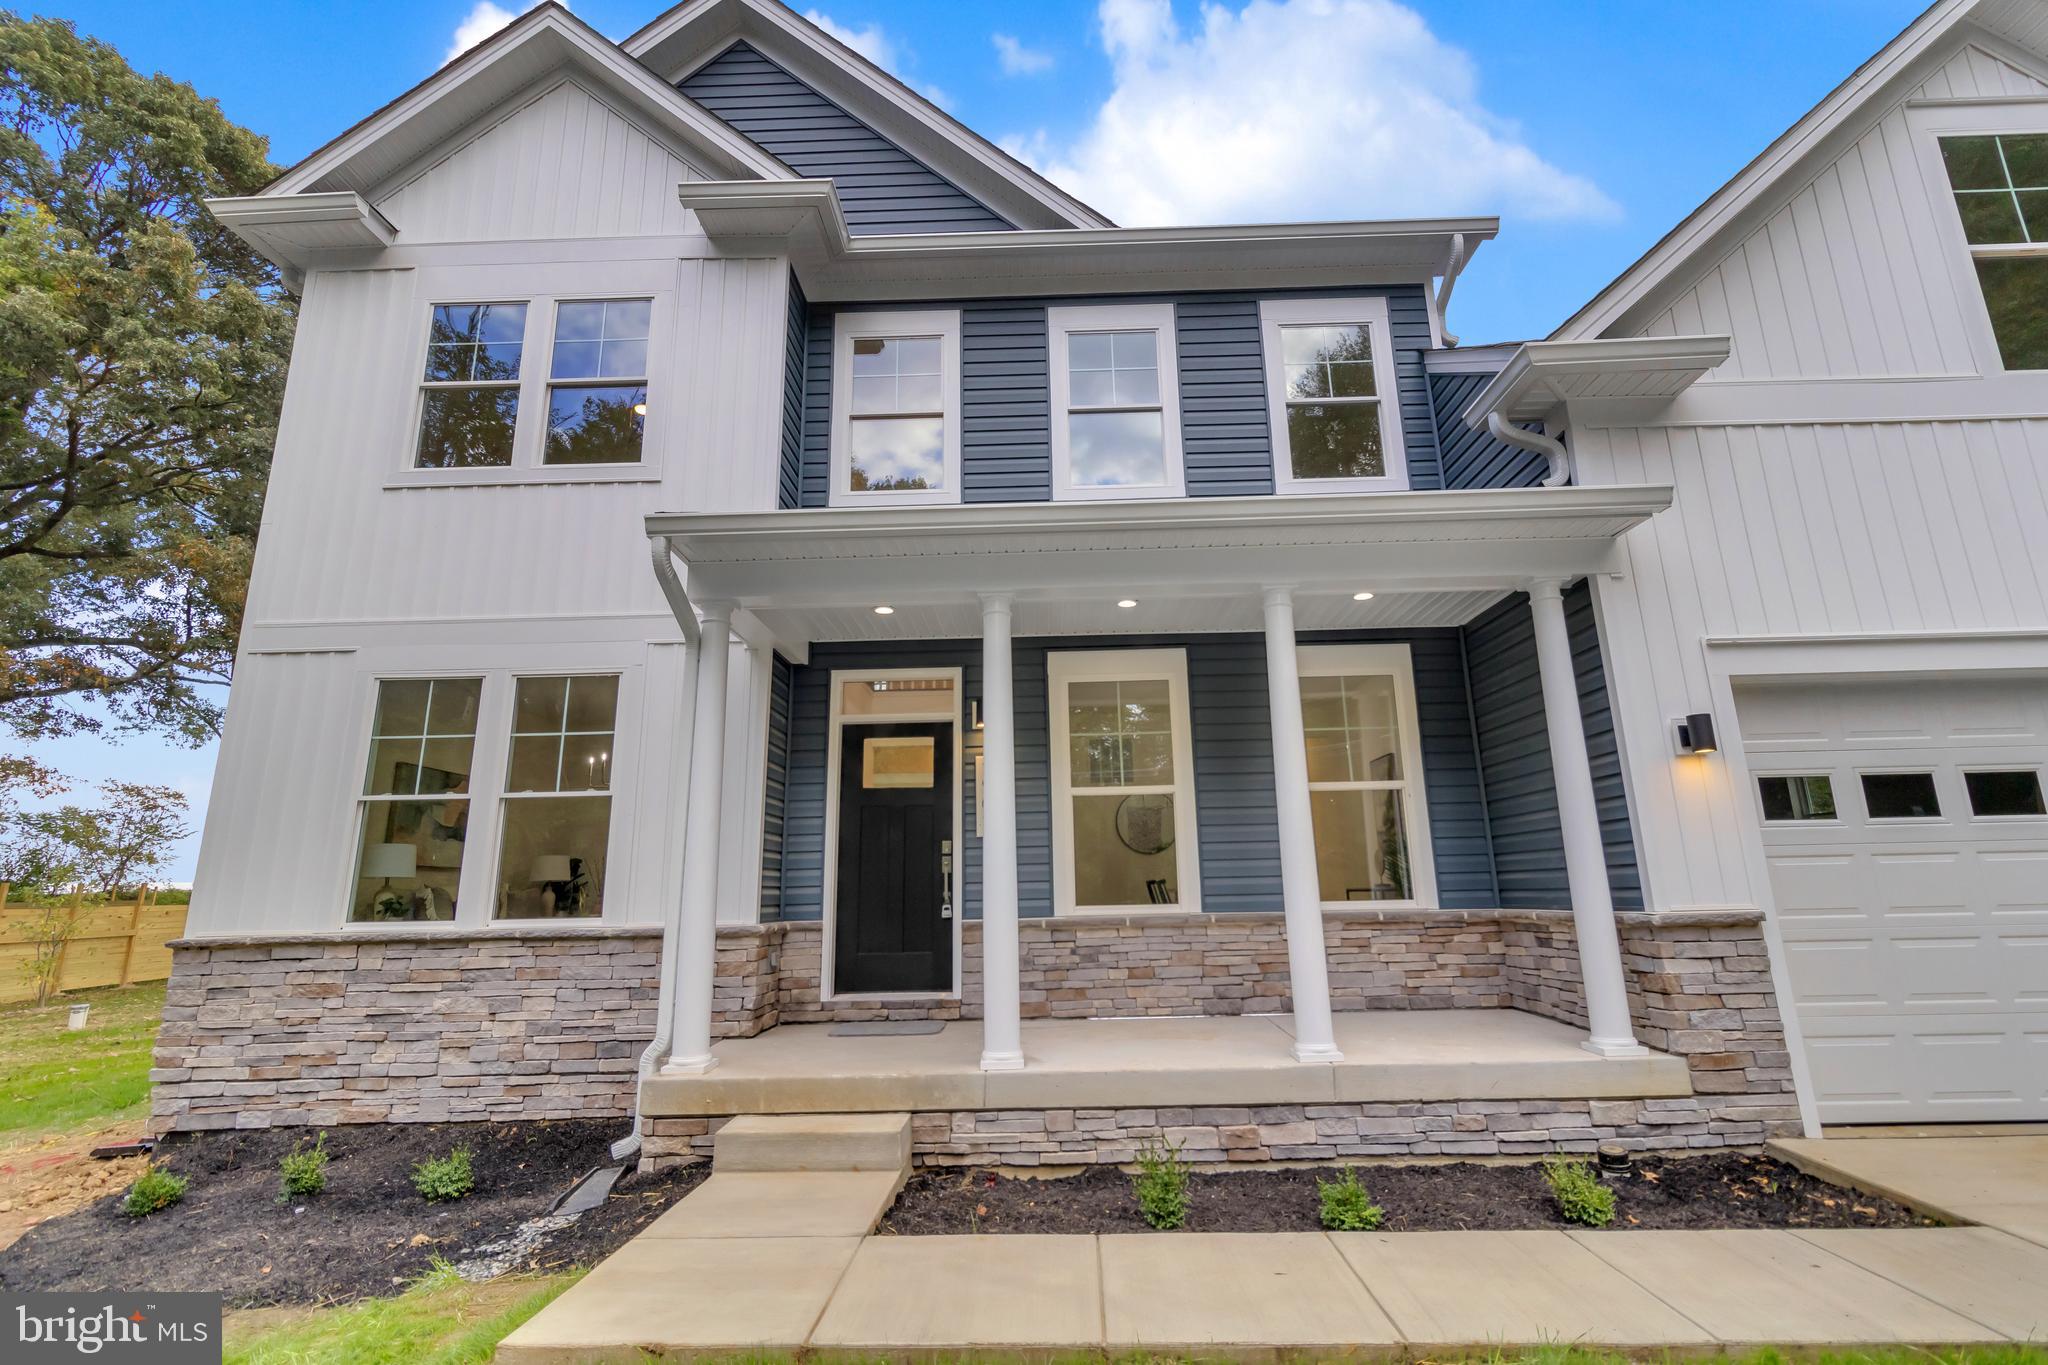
(1012, 596)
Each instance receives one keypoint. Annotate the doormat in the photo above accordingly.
(881, 1027)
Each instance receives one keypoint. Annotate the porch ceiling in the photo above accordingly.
(1431, 558)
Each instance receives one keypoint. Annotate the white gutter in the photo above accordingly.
(659, 1046)
(1549, 447)
(1453, 267)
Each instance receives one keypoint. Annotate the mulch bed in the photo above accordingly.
(369, 1233)
(1722, 1190)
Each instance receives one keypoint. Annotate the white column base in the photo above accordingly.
(688, 1066)
(1615, 1047)
(1002, 1061)
(1324, 1053)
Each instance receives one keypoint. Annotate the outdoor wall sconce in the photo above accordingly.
(1696, 734)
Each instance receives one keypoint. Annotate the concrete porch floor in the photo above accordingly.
(1389, 1056)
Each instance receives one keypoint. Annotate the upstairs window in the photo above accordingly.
(896, 408)
(2000, 184)
(469, 400)
(1115, 402)
(1330, 396)
(597, 400)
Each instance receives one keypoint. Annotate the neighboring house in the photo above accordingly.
(1049, 621)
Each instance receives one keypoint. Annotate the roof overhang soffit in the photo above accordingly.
(1543, 376)
(503, 70)
(803, 219)
(1434, 540)
(686, 36)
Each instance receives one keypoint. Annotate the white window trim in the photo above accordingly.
(836, 723)
(1123, 665)
(1397, 662)
(1157, 318)
(476, 887)
(543, 288)
(1372, 311)
(1929, 123)
(848, 328)
(1963, 774)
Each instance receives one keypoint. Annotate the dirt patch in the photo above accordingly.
(369, 1233)
(1723, 1190)
(53, 1176)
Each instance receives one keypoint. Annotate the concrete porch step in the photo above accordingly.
(813, 1142)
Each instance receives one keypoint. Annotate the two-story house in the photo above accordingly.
(766, 604)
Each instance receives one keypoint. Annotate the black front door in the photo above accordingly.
(895, 909)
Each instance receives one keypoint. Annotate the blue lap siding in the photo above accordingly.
(1006, 394)
(882, 188)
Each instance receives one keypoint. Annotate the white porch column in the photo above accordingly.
(696, 964)
(1002, 1030)
(1308, 965)
(1585, 857)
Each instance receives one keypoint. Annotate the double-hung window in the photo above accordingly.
(536, 383)
(1115, 402)
(558, 780)
(1365, 775)
(1331, 398)
(1123, 782)
(2000, 185)
(896, 408)
(413, 816)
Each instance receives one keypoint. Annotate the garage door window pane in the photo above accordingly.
(1900, 796)
(1797, 798)
(2007, 793)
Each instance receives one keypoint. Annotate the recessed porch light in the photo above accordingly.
(885, 611)
(1128, 602)
(1361, 597)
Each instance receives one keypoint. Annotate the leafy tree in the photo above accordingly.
(109, 847)
(29, 858)
(142, 358)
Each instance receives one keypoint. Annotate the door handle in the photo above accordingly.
(945, 879)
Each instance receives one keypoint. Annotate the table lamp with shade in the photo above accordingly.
(549, 868)
(389, 861)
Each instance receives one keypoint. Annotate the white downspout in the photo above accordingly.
(663, 1041)
(1454, 265)
(1549, 447)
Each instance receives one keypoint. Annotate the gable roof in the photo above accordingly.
(695, 32)
(1728, 210)
(504, 68)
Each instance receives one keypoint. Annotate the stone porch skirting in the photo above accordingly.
(530, 1022)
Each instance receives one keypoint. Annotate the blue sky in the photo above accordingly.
(1591, 128)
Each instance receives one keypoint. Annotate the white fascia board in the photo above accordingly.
(1541, 375)
(1727, 206)
(690, 33)
(503, 68)
(1487, 359)
(290, 229)
(1397, 541)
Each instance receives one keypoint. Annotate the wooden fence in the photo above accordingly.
(115, 944)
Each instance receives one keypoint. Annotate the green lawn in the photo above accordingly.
(53, 1080)
(441, 1320)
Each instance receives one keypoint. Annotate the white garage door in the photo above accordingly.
(1908, 846)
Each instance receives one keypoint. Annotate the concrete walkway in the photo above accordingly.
(780, 1261)
(1995, 1177)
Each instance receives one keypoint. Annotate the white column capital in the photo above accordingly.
(994, 602)
(1545, 589)
(1281, 594)
(718, 609)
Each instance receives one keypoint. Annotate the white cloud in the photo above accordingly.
(1297, 109)
(871, 42)
(1017, 59)
(483, 19)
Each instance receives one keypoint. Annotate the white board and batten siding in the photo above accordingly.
(368, 569)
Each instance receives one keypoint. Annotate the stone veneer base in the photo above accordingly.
(409, 1025)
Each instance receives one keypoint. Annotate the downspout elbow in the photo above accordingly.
(1549, 447)
(1454, 265)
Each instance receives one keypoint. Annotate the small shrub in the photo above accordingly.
(444, 1177)
(305, 1168)
(1580, 1196)
(154, 1190)
(1346, 1205)
(1162, 1185)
